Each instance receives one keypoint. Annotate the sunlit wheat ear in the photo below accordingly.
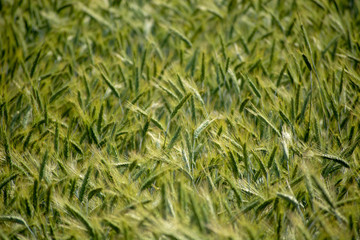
(286, 140)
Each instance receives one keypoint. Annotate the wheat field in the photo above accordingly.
(180, 119)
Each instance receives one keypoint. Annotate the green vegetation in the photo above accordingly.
(179, 119)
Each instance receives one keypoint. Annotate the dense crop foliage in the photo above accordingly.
(179, 119)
